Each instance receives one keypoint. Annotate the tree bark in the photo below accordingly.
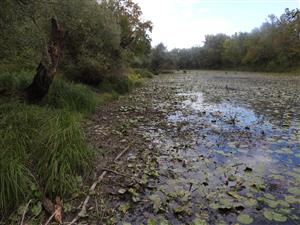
(48, 66)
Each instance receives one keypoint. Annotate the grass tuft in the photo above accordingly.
(39, 146)
(61, 153)
(73, 97)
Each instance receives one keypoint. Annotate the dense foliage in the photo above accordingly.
(275, 46)
(102, 37)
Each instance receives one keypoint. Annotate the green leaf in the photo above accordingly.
(245, 219)
(37, 209)
(163, 222)
(294, 190)
(124, 207)
(271, 215)
(156, 202)
(151, 221)
(268, 213)
(279, 217)
(67, 207)
(198, 221)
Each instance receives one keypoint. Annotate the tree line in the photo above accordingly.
(274, 46)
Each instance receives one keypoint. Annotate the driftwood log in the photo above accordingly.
(47, 68)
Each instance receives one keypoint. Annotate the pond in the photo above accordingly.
(229, 148)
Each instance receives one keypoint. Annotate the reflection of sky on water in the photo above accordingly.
(265, 141)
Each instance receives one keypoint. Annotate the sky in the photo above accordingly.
(184, 23)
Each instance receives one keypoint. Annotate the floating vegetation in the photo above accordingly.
(231, 161)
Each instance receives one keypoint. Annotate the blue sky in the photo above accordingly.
(184, 23)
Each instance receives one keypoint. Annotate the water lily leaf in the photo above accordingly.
(163, 222)
(277, 177)
(269, 196)
(283, 203)
(251, 202)
(271, 203)
(151, 221)
(244, 219)
(292, 199)
(124, 207)
(268, 213)
(156, 202)
(294, 190)
(232, 178)
(214, 205)
(272, 215)
(199, 221)
(279, 217)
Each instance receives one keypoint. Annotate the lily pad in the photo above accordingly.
(294, 190)
(245, 219)
(272, 215)
(199, 221)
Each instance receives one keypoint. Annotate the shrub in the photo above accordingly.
(87, 71)
(121, 84)
(144, 73)
(74, 97)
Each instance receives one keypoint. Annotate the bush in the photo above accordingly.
(69, 96)
(144, 73)
(86, 71)
(122, 84)
(39, 146)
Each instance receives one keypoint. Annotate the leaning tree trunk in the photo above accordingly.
(48, 65)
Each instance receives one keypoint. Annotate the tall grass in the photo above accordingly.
(44, 145)
(61, 153)
(39, 146)
(73, 97)
(121, 84)
(10, 83)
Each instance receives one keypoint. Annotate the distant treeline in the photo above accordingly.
(275, 46)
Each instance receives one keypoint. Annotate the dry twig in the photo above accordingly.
(83, 210)
(24, 213)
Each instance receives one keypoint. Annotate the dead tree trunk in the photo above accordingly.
(48, 65)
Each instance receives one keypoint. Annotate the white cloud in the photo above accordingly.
(182, 23)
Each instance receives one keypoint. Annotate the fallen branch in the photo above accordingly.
(25, 211)
(83, 210)
(50, 218)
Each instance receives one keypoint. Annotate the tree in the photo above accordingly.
(48, 65)
(159, 57)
